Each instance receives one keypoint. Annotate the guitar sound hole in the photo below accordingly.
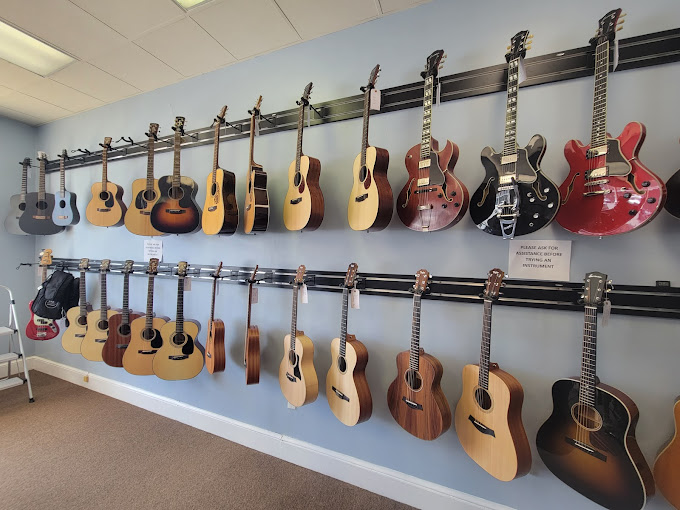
(81, 320)
(103, 325)
(149, 195)
(176, 193)
(363, 173)
(62, 204)
(104, 196)
(22, 207)
(292, 357)
(213, 189)
(297, 179)
(124, 330)
(342, 364)
(483, 399)
(586, 416)
(149, 334)
(42, 205)
(179, 338)
(413, 380)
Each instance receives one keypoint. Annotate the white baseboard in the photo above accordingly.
(372, 477)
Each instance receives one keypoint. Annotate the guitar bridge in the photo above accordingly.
(296, 200)
(100, 340)
(412, 405)
(103, 209)
(595, 193)
(340, 394)
(290, 377)
(145, 213)
(178, 357)
(482, 428)
(361, 198)
(586, 448)
(121, 346)
(175, 211)
(151, 351)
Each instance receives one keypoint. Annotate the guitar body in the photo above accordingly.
(370, 201)
(672, 204)
(667, 465)
(349, 396)
(297, 377)
(143, 346)
(256, 214)
(539, 197)
(252, 355)
(440, 204)
(138, 216)
(612, 472)
(37, 217)
(96, 335)
(493, 435)
(178, 215)
(65, 211)
(425, 413)
(18, 207)
(106, 208)
(38, 328)
(303, 206)
(72, 339)
(220, 211)
(215, 357)
(179, 357)
(118, 340)
(633, 195)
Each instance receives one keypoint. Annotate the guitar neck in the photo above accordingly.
(300, 128)
(151, 144)
(105, 178)
(250, 302)
(364, 135)
(103, 303)
(179, 321)
(485, 355)
(24, 181)
(176, 177)
(588, 360)
(44, 274)
(293, 317)
(149, 303)
(598, 137)
(212, 302)
(83, 298)
(126, 299)
(216, 150)
(510, 138)
(62, 177)
(414, 357)
(427, 119)
(343, 322)
(253, 119)
(41, 183)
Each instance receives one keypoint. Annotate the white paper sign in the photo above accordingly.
(153, 248)
(355, 299)
(303, 294)
(254, 296)
(375, 100)
(539, 260)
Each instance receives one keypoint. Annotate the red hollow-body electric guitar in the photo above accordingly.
(39, 328)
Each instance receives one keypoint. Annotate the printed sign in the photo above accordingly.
(153, 248)
(539, 260)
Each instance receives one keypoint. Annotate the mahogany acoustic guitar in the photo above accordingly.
(667, 465)
(76, 317)
(415, 397)
(17, 203)
(98, 321)
(106, 207)
(39, 328)
(119, 324)
(215, 357)
(37, 216)
(251, 351)
(65, 212)
(488, 416)
(256, 214)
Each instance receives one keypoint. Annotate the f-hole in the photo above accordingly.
(483, 399)
(342, 364)
(176, 193)
(149, 195)
(413, 380)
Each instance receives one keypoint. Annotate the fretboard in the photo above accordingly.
(148, 323)
(253, 119)
(414, 358)
(149, 163)
(24, 181)
(485, 354)
(216, 150)
(62, 176)
(175, 168)
(427, 118)
(510, 138)
(598, 137)
(105, 178)
(300, 127)
(364, 135)
(179, 321)
(293, 317)
(250, 301)
(212, 302)
(588, 365)
(41, 182)
(102, 282)
(44, 274)
(126, 300)
(83, 299)
(343, 322)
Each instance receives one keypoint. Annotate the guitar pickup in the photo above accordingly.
(175, 211)
(424, 181)
(482, 428)
(596, 173)
(340, 394)
(424, 163)
(597, 151)
(296, 200)
(178, 357)
(512, 158)
(585, 448)
(152, 351)
(506, 179)
(412, 405)
(121, 346)
(103, 209)
(361, 198)
(290, 377)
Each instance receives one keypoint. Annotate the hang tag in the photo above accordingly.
(374, 103)
(616, 55)
(303, 293)
(257, 126)
(217, 289)
(291, 406)
(309, 120)
(606, 312)
(187, 283)
(355, 299)
(439, 91)
(521, 72)
(253, 299)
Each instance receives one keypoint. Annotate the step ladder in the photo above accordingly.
(13, 334)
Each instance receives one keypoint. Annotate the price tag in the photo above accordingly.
(309, 118)
(375, 100)
(257, 126)
(355, 299)
(303, 293)
(217, 289)
(606, 312)
(253, 299)
(153, 248)
(187, 283)
(291, 406)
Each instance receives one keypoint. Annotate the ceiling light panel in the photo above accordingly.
(30, 53)
(190, 4)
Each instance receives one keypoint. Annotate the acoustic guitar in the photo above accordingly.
(667, 465)
(37, 216)
(370, 201)
(179, 357)
(76, 317)
(588, 441)
(220, 211)
(297, 375)
(256, 214)
(415, 397)
(215, 357)
(673, 187)
(515, 198)
(433, 198)
(608, 190)
(39, 328)
(65, 212)
(488, 416)
(119, 324)
(349, 396)
(145, 193)
(98, 321)
(17, 203)
(145, 333)
(176, 211)
(251, 351)
(303, 206)
(106, 207)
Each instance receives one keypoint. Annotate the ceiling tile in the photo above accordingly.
(132, 18)
(186, 47)
(312, 18)
(399, 5)
(21, 117)
(94, 82)
(225, 22)
(63, 25)
(16, 77)
(28, 105)
(55, 93)
(4, 91)
(137, 67)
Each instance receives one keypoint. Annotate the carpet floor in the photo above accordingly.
(66, 451)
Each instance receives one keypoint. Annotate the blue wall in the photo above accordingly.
(637, 355)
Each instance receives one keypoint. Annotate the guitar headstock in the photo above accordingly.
(433, 64)
(252, 276)
(306, 93)
(42, 156)
(300, 275)
(594, 288)
(607, 27)
(351, 275)
(519, 45)
(494, 281)
(218, 269)
(25, 163)
(107, 143)
(104, 266)
(84, 264)
(64, 155)
(182, 269)
(179, 125)
(256, 108)
(220, 116)
(46, 257)
(153, 131)
(153, 267)
(127, 268)
(422, 279)
(373, 77)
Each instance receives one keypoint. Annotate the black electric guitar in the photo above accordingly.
(515, 198)
(37, 217)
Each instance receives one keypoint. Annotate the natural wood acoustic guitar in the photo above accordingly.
(76, 317)
(256, 213)
(98, 321)
(106, 207)
(667, 465)
(251, 351)
(39, 328)
(215, 357)
(119, 324)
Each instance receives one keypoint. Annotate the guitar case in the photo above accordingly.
(56, 295)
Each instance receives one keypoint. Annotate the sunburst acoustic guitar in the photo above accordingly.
(119, 324)
(215, 357)
(98, 321)
(76, 317)
(106, 207)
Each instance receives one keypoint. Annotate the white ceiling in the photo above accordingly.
(124, 48)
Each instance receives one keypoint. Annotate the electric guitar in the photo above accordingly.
(145, 333)
(119, 325)
(488, 416)
(39, 328)
(415, 397)
(145, 193)
(176, 211)
(251, 351)
(179, 357)
(297, 375)
(76, 317)
(98, 321)
(256, 214)
(515, 198)
(432, 198)
(106, 207)
(18, 202)
(667, 465)
(303, 206)
(215, 357)
(370, 201)
(220, 211)
(65, 212)
(37, 217)
(349, 396)
(608, 190)
(589, 440)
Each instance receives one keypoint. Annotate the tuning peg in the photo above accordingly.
(623, 15)
(507, 48)
(619, 28)
(531, 36)
(528, 47)
(620, 21)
